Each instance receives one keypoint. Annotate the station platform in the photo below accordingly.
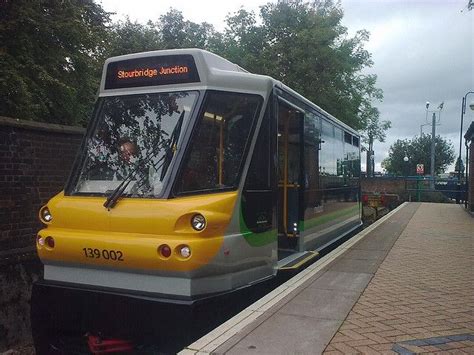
(404, 285)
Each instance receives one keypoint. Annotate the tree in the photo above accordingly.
(375, 131)
(50, 58)
(305, 46)
(470, 5)
(243, 42)
(170, 31)
(176, 32)
(127, 37)
(54, 52)
(418, 151)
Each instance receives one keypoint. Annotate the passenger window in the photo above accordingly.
(347, 138)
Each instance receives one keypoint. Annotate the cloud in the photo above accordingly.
(422, 51)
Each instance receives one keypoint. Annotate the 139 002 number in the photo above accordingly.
(115, 255)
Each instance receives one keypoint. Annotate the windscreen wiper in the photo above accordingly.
(170, 150)
(119, 190)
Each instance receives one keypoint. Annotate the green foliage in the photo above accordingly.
(170, 31)
(50, 59)
(305, 46)
(418, 151)
(127, 37)
(52, 54)
(179, 33)
(375, 129)
(459, 166)
(243, 42)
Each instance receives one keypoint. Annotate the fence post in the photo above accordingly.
(418, 193)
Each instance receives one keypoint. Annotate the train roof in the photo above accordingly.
(188, 69)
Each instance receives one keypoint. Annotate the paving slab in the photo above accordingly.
(347, 264)
(322, 304)
(364, 254)
(342, 281)
(288, 334)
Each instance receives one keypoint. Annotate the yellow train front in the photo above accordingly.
(195, 179)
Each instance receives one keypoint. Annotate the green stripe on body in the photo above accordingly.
(319, 220)
(255, 239)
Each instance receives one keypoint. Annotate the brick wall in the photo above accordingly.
(383, 185)
(35, 160)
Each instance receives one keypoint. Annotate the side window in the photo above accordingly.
(347, 138)
(312, 144)
(355, 141)
(327, 153)
(258, 176)
(217, 147)
(339, 151)
(258, 202)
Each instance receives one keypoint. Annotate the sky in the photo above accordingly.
(423, 51)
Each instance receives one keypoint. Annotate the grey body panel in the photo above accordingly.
(171, 286)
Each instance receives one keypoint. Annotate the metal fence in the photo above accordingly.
(421, 188)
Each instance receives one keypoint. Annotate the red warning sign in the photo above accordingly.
(420, 169)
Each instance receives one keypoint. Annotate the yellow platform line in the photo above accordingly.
(311, 255)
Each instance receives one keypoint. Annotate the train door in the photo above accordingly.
(290, 173)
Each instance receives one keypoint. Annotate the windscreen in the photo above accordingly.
(135, 138)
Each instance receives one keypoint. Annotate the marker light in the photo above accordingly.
(185, 251)
(164, 250)
(198, 222)
(49, 241)
(40, 241)
(45, 215)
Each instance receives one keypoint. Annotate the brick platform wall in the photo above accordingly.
(383, 185)
(35, 161)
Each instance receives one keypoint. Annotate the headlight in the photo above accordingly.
(185, 251)
(45, 215)
(198, 222)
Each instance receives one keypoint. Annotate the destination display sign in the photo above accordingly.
(151, 71)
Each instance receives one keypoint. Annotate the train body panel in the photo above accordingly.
(139, 226)
(214, 72)
(120, 250)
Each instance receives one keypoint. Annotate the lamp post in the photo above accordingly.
(459, 162)
(405, 159)
(433, 136)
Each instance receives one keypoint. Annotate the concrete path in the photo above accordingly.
(404, 286)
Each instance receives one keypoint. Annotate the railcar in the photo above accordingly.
(195, 179)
